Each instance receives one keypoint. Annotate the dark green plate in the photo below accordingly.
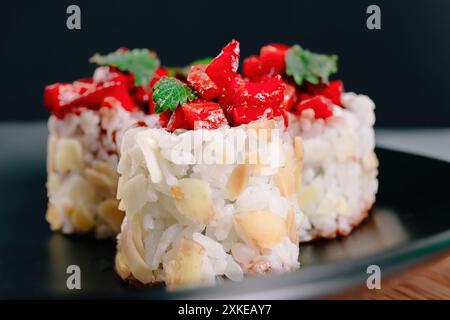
(410, 223)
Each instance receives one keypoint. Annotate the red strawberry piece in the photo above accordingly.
(96, 93)
(253, 68)
(224, 67)
(200, 80)
(245, 114)
(235, 93)
(246, 101)
(270, 62)
(165, 117)
(197, 115)
(290, 97)
(333, 90)
(267, 93)
(319, 104)
(273, 58)
(61, 98)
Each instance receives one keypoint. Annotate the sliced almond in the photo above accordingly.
(133, 258)
(121, 267)
(51, 153)
(69, 155)
(82, 219)
(194, 200)
(344, 147)
(307, 195)
(292, 226)
(148, 147)
(53, 183)
(53, 218)
(134, 193)
(370, 161)
(187, 267)
(107, 170)
(262, 228)
(135, 226)
(332, 204)
(99, 179)
(108, 211)
(298, 148)
(79, 190)
(238, 181)
(285, 180)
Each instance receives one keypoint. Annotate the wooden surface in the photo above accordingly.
(430, 281)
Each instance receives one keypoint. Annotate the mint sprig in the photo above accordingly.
(304, 65)
(142, 63)
(169, 93)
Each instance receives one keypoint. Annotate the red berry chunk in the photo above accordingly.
(165, 117)
(197, 115)
(333, 90)
(246, 101)
(198, 78)
(319, 104)
(268, 93)
(224, 67)
(245, 114)
(270, 62)
(290, 97)
(61, 98)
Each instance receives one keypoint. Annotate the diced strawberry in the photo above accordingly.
(253, 68)
(273, 58)
(333, 90)
(246, 101)
(165, 117)
(61, 98)
(290, 97)
(267, 93)
(200, 80)
(108, 73)
(197, 115)
(270, 62)
(278, 49)
(302, 95)
(319, 104)
(224, 67)
(98, 92)
(245, 114)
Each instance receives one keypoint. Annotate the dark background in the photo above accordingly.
(403, 66)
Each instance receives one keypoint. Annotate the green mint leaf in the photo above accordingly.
(169, 93)
(206, 60)
(142, 63)
(304, 65)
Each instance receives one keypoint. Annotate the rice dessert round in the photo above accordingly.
(189, 220)
(339, 179)
(89, 117)
(82, 158)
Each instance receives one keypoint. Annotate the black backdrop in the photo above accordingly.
(403, 67)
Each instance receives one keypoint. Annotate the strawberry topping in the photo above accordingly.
(320, 105)
(222, 69)
(270, 62)
(200, 80)
(197, 115)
